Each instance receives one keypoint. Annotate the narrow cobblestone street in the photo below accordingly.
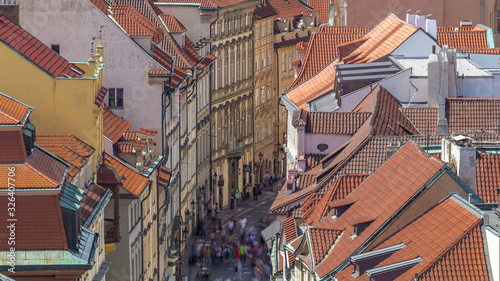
(255, 213)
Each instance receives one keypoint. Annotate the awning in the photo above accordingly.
(269, 232)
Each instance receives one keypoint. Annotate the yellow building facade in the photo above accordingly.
(63, 105)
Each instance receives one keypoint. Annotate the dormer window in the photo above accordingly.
(338, 211)
(360, 227)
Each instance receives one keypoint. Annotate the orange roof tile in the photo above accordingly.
(473, 115)
(12, 111)
(290, 232)
(132, 180)
(206, 61)
(424, 119)
(264, 11)
(381, 40)
(335, 122)
(322, 49)
(448, 239)
(186, 57)
(290, 8)
(164, 176)
(488, 177)
(160, 72)
(91, 199)
(173, 24)
(387, 119)
(12, 147)
(341, 188)
(312, 160)
(316, 85)
(114, 126)
(463, 38)
(69, 148)
(322, 239)
(322, 8)
(100, 96)
(35, 51)
(133, 22)
(39, 224)
(102, 5)
(383, 193)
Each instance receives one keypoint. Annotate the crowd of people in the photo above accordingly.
(233, 242)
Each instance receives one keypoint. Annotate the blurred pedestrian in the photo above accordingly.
(255, 192)
(238, 267)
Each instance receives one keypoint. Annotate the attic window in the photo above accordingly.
(360, 227)
(341, 209)
(322, 147)
(55, 48)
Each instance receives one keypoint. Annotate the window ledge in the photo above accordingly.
(116, 107)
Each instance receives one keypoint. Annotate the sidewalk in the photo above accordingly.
(256, 213)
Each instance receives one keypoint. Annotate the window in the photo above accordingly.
(270, 27)
(115, 97)
(257, 98)
(55, 48)
(290, 63)
(257, 60)
(257, 32)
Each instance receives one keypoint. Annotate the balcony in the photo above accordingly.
(111, 231)
(237, 148)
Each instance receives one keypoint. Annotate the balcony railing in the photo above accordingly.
(235, 148)
(112, 235)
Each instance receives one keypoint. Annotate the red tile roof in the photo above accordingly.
(488, 177)
(133, 22)
(39, 224)
(318, 84)
(322, 49)
(166, 61)
(91, 199)
(173, 24)
(290, 232)
(12, 111)
(381, 40)
(186, 57)
(384, 192)
(47, 165)
(69, 148)
(473, 115)
(290, 8)
(424, 119)
(322, 239)
(322, 8)
(335, 122)
(114, 126)
(35, 51)
(448, 239)
(12, 148)
(100, 96)
(132, 180)
(313, 159)
(264, 11)
(463, 38)
(160, 72)
(102, 5)
(164, 176)
(206, 61)
(386, 117)
(341, 188)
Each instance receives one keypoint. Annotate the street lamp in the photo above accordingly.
(260, 156)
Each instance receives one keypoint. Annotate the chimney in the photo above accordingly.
(10, 9)
(431, 26)
(465, 23)
(420, 21)
(410, 17)
(461, 158)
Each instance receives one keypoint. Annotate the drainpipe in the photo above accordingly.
(142, 227)
(158, 208)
